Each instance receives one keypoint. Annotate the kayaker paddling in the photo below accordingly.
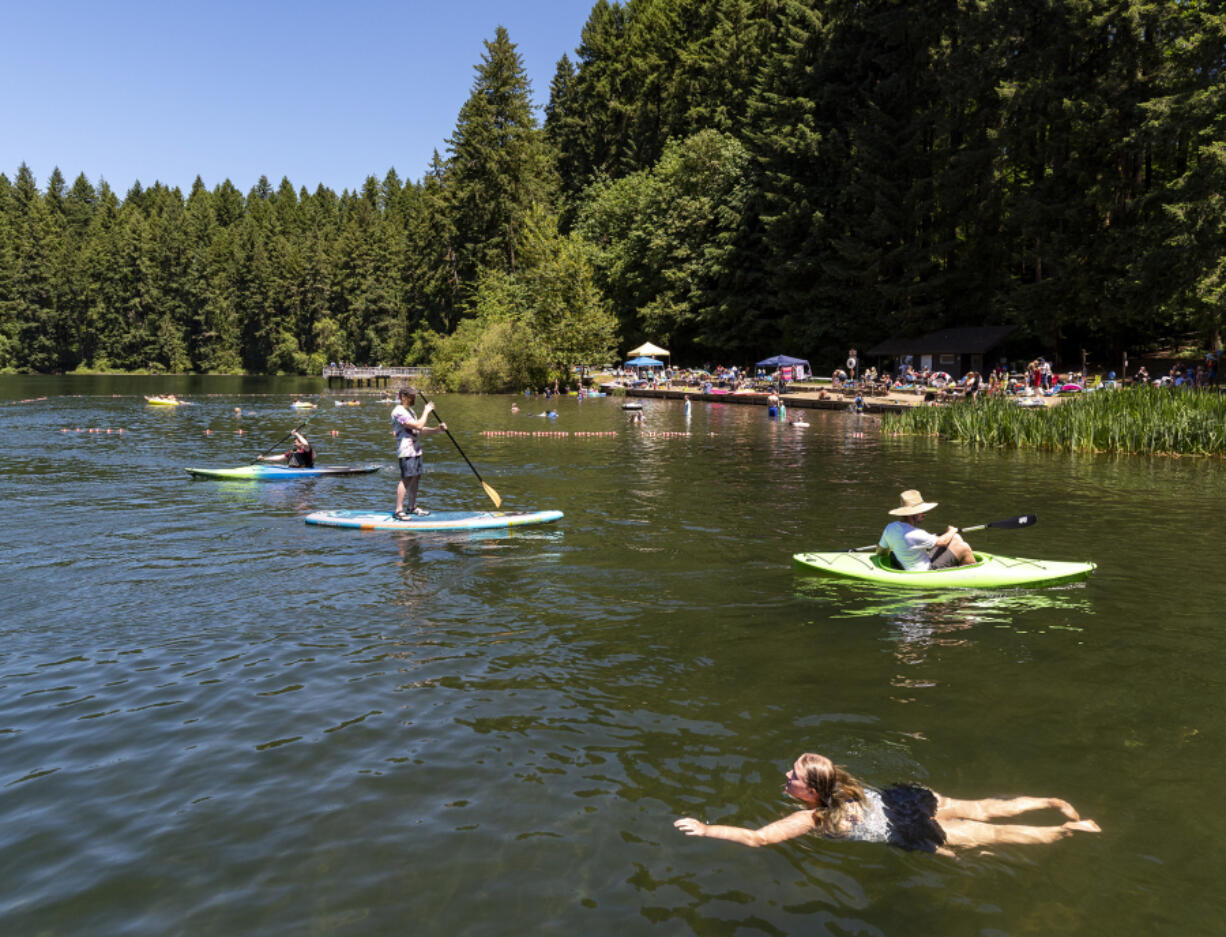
(838, 806)
(915, 548)
(301, 456)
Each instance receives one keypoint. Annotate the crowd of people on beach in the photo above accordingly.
(1029, 384)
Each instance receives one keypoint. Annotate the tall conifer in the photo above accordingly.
(498, 166)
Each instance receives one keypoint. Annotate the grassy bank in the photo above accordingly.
(1131, 420)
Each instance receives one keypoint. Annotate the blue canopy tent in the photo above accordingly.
(644, 363)
(788, 368)
(781, 361)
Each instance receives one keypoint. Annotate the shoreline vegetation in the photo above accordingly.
(1128, 421)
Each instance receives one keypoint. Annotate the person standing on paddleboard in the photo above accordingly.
(301, 456)
(408, 428)
(916, 548)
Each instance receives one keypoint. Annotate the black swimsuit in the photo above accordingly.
(902, 815)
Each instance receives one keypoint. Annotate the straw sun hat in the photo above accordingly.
(912, 502)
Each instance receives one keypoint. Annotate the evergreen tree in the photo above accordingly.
(433, 293)
(43, 335)
(10, 356)
(589, 135)
(499, 166)
(99, 290)
(1184, 127)
(564, 129)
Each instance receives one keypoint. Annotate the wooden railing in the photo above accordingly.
(353, 372)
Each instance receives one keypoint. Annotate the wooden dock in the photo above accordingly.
(809, 401)
(352, 376)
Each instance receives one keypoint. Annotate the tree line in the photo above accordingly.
(729, 178)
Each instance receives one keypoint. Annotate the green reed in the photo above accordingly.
(1135, 420)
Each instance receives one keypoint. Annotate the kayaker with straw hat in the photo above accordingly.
(915, 548)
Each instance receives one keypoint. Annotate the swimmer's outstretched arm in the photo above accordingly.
(790, 827)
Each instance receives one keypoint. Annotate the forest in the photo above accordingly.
(727, 178)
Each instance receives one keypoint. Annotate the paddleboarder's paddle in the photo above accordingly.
(1009, 523)
(493, 495)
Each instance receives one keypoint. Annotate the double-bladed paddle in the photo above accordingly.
(281, 440)
(493, 495)
(1009, 523)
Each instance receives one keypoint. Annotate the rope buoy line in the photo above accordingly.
(563, 434)
(237, 432)
(541, 433)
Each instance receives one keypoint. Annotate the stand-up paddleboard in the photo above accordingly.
(273, 473)
(436, 520)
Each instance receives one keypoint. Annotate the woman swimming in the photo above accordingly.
(838, 806)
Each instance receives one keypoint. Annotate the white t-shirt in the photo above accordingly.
(407, 445)
(910, 544)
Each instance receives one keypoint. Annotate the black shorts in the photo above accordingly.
(942, 558)
(410, 467)
(911, 812)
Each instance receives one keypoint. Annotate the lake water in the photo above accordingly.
(215, 719)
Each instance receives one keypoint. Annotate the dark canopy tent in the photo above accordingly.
(781, 361)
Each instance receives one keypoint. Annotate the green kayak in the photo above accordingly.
(990, 572)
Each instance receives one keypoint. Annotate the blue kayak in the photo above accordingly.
(436, 520)
(277, 473)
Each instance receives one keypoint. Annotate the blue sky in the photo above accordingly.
(317, 91)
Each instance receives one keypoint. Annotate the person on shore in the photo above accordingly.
(838, 806)
(409, 427)
(915, 548)
(972, 385)
(301, 456)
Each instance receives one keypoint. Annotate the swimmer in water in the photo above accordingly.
(909, 816)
